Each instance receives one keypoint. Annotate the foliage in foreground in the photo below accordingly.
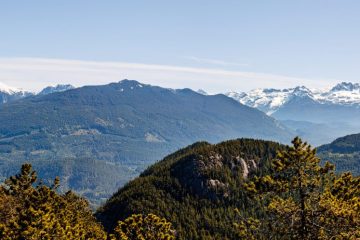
(139, 227)
(34, 211)
(303, 200)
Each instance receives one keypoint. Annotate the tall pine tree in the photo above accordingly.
(300, 199)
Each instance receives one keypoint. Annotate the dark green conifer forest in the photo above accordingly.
(238, 189)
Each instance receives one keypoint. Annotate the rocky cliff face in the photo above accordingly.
(203, 173)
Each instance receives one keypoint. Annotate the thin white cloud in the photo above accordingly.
(35, 73)
(215, 61)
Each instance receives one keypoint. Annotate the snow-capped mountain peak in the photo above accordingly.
(344, 93)
(266, 100)
(7, 89)
(302, 91)
(57, 88)
(346, 86)
(8, 93)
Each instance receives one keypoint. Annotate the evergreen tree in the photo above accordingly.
(35, 211)
(300, 199)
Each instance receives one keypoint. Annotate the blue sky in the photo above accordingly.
(214, 45)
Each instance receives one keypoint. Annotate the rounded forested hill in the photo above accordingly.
(196, 188)
(344, 152)
(347, 144)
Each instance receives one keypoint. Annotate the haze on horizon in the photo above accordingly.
(212, 45)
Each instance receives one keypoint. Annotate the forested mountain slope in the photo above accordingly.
(96, 138)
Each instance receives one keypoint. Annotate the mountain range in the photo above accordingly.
(317, 115)
(109, 138)
(272, 100)
(99, 137)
